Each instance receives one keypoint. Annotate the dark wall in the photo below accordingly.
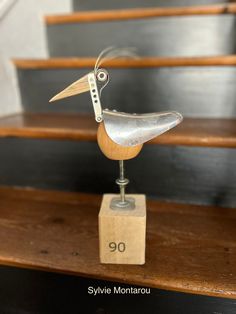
(184, 174)
(162, 36)
(193, 91)
(120, 4)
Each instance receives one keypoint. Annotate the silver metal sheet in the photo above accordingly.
(132, 129)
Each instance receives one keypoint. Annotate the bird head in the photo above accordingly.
(94, 81)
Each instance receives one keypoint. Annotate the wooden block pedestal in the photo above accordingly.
(122, 232)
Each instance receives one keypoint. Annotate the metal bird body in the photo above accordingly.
(133, 129)
(120, 135)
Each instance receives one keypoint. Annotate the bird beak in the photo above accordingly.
(78, 87)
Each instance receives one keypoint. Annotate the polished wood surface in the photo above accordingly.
(142, 62)
(201, 132)
(113, 150)
(140, 13)
(126, 229)
(190, 248)
(82, 127)
(52, 126)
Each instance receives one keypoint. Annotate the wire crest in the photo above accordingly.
(112, 52)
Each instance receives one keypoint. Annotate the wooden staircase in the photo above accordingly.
(190, 247)
(140, 13)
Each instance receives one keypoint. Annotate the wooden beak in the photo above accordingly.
(75, 88)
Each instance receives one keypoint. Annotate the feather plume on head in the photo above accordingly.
(111, 53)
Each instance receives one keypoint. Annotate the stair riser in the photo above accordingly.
(59, 288)
(172, 36)
(196, 175)
(120, 4)
(199, 91)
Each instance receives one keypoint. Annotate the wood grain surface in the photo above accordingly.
(82, 127)
(124, 228)
(113, 150)
(140, 13)
(144, 62)
(189, 248)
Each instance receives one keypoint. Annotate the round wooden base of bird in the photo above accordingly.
(115, 151)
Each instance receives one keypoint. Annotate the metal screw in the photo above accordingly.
(99, 119)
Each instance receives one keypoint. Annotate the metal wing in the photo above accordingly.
(132, 129)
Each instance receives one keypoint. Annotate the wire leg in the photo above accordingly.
(122, 182)
(122, 201)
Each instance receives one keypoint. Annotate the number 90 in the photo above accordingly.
(120, 247)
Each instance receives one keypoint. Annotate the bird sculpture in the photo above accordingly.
(120, 135)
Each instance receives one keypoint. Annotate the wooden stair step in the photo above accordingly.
(142, 62)
(82, 127)
(190, 248)
(140, 13)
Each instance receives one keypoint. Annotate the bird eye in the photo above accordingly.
(102, 76)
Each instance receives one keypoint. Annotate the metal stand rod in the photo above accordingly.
(122, 182)
(122, 202)
(122, 187)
